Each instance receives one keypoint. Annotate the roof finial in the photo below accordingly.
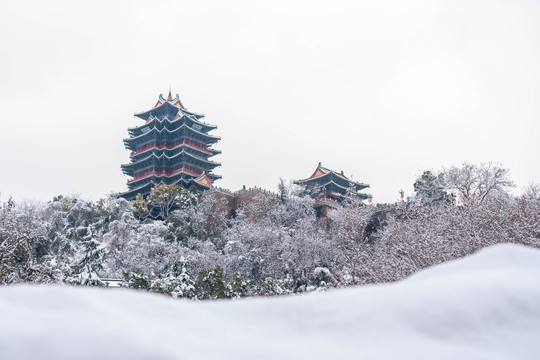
(169, 98)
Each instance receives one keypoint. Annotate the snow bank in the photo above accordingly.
(486, 306)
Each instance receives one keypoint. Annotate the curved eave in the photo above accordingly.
(213, 138)
(167, 104)
(137, 130)
(358, 186)
(311, 179)
(332, 182)
(132, 194)
(146, 114)
(152, 177)
(160, 157)
(197, 115)
(195, 119)
(214, 176)
(344, 178)
(361, 186)
(203, 181)
(153, 150)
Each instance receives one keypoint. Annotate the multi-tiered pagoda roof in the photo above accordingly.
(172, 146)
(329, 184)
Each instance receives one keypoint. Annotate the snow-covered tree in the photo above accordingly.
(207, 219)
(137, 279)
(429, 190)
(350, 240)
(167, 197)
(274, 245)
(140, 206)
(176, 281)
(237, 287)
(474, 183)
(23, 237)
(88, 264)
(210, 284)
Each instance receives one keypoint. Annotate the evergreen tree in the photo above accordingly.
(210, 285)
(429, 190)
(176, 281)
(270, 287)
(238, 287)
(85, 270)
(137, 279)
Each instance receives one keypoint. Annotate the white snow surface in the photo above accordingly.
(485, 306)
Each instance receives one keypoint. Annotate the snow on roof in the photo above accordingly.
(182, 127)
(486, 306)
(163, 155)
(321, 171)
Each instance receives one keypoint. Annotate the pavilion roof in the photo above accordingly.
(158, 178)
(154, 149)
(183, 127)
(203, 180)
(178, 118)
(321, 172)
(174, 103)
(161, 156)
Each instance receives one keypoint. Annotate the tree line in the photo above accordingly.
(272, 246)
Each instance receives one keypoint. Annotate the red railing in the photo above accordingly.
(169, 145)
(188, 169)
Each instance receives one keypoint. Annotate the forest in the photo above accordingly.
(271, 246)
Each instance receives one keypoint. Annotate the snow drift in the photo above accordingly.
(486, 306)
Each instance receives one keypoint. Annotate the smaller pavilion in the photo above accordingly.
(328, 184)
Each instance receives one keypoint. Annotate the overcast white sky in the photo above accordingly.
(380, 89)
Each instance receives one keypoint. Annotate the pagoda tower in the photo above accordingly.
(172, 146)
(328, 184)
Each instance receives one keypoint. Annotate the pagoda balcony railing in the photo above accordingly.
(171, 145)
(187, 169)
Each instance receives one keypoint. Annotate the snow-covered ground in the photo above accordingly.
(485, 306)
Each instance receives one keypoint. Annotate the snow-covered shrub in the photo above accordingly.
(175, 282)
(210, 284)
